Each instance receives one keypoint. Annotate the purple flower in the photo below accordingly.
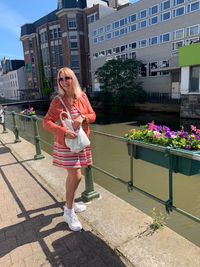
(167, 129)
(168, 135)
(182, 134)
(188, 138)
(187, 147)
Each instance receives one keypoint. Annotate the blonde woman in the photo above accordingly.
(82, 113)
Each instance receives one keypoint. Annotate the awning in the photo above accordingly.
(165, 69)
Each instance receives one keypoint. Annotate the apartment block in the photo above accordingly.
(61, 39)
(151, 31)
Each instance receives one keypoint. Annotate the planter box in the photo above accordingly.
(183, 161)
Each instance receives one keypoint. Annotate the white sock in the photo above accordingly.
(70, 211)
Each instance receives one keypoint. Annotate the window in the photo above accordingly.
(132, 28)
(179, 11)
(94, 33)
(194, 79)
(143, 70)
(142, 14)
(165, 16)
(153, 20)
(94, 40)
(193, 30)
(108, 36)
(123, 22)
(107, 28)
(142, 43)
(123, 48)
(153, 10)
(116, 33)
(123, 31)
(92, 18)
(115, 24)
(132, 18)
(178, 34)
(101, 38)
(152, 66)
(95, 55)
(153, 40)
(74, 61)
(142, 24)
(178, 2)
(133, 45)
(102, 53)
(176, 45)
(73, 45)
(72, 23)
(193, 7)
(164, 37)
(165, 5)
(108, 52)
(132, 55)
(30, 43)
(73, 37)
(101, 30)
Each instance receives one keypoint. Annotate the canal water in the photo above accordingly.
(111, 155)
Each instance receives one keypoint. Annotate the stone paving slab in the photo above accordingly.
(32, 231)
(118, 225)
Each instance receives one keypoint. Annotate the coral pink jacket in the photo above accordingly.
(81, 103)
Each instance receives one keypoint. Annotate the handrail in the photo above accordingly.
(168, 204)
(90, 193)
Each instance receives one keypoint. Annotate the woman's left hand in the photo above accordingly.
(77, 122)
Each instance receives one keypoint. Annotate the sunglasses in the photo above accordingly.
(66, 79)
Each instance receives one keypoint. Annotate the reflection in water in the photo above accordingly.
(111, 155)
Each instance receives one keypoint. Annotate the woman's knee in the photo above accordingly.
(75, 174)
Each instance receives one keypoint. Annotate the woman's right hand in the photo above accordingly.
(70, 134)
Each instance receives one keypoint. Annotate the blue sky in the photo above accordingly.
(15, 13)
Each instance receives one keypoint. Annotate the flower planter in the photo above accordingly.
(184, 162)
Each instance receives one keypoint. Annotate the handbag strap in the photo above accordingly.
(68, 113)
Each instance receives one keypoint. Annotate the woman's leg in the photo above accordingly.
(72, 182)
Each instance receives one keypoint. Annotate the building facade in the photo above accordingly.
(12, 79)
(152, 31)
(60, 39)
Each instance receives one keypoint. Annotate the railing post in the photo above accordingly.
(37, 139)
(15, 129)
(89, 192)
(4, 123)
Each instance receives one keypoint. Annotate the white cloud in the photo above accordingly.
(11, 20)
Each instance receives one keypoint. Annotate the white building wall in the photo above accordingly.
(162, 51)
(11, 82)
(185, 76)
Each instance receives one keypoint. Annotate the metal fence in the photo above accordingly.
(89, 192)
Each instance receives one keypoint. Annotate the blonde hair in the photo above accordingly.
(74, 84)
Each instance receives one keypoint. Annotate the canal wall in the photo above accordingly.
(123, 227)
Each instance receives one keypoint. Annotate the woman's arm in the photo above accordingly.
(51, 117)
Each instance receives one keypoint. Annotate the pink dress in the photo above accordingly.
(63, 157)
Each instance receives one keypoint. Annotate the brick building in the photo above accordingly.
(61, 39)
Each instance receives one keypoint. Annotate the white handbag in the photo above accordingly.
(81, 141)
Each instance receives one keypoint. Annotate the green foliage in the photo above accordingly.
(158, 219)
(46, 83)
(118, 83)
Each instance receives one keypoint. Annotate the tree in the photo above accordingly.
(118, 82)
(46, 83)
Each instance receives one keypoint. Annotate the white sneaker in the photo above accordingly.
(77, 207)
(72, 221)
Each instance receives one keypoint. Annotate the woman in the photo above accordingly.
(82, 113)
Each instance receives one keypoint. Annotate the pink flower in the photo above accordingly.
(151, 126)
(156, 134)
(193, 128)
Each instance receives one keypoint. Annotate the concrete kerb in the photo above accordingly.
(120, 225)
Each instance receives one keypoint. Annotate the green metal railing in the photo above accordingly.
(89, 192)
(130, 184)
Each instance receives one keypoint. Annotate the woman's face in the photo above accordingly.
(65, 81)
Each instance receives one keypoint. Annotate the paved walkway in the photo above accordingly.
(32, 231)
